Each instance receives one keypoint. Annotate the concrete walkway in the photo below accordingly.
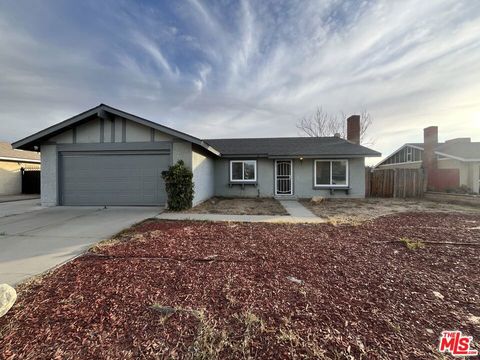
(295, 209)
(298, 214)
(9, 198)
(38, 239)
(19, 207)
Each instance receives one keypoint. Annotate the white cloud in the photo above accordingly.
(252, 68)
(154, 51)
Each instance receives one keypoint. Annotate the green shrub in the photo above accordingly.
(179, 185)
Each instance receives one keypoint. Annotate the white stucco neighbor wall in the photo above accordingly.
(48, 177)
(475, 176)
(203, 177)
(10, 178)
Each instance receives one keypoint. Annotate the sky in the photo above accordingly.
(244, 68)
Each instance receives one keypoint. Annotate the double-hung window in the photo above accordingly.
(243, 170)
(331, 173)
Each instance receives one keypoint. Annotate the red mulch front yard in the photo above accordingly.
(222, 290)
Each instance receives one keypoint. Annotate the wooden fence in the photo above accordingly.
(398, 183)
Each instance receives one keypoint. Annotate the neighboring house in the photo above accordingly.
(452, 164)
(11, 163)
(105, 156)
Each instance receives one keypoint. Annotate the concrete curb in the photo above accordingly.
(241, 218)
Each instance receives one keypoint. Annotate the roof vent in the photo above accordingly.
(337, 135)
(459, 141)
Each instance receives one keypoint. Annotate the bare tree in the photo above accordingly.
(319, 124)
(322, 124)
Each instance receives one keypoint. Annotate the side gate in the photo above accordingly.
(397, 183)
(30, 181)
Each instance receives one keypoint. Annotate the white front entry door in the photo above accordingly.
(283, 177)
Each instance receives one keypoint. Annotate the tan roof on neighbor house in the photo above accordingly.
(6, 152)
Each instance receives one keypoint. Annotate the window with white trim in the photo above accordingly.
(331, 173)
(243, 170)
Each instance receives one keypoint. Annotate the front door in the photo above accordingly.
(283, 177)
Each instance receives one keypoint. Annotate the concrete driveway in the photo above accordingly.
(35, 239)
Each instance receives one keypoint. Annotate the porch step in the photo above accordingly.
(286, 197)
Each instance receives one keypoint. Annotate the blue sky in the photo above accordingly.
(244, 68)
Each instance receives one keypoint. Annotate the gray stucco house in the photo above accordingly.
(105, 156)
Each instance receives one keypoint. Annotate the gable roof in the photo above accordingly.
(413, 145)
(464, 151)
(267, 147)
(10, 154)
(103, 111)
(291, 146)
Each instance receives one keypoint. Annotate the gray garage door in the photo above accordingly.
(112, 179)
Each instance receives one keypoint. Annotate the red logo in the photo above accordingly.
(456, 344)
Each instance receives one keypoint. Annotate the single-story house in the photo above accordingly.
(12, 162)
(105, 156)
(451, 164)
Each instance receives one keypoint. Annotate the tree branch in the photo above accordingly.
(322, 124)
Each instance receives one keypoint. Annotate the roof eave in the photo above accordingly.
(29, 142)
(307, 156)
(456, 157)
(211, 149)
(22, 160)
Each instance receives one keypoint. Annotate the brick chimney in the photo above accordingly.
(353, 129)
(430, 142)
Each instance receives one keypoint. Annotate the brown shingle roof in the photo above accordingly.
(6, 151)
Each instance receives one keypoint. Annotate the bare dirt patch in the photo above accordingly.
(359, 210)
(204, 290)
(239, 206)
